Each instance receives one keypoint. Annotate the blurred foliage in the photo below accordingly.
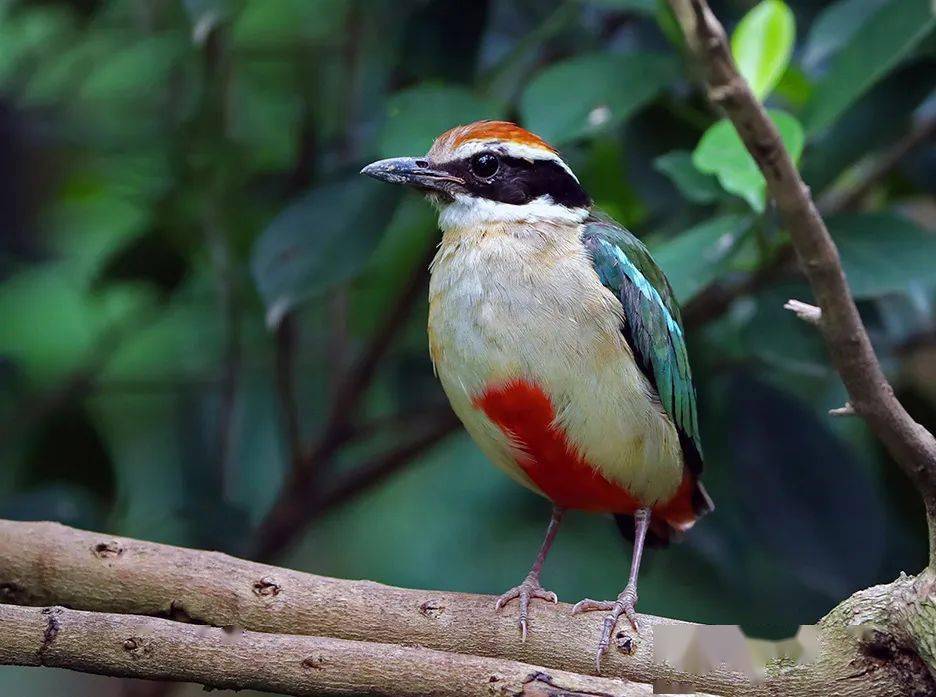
(182, 218)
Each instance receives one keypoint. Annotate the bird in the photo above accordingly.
(558, 342)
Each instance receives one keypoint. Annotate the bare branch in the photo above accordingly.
(48, 564)
(909, 443)
(158, 649)
(872, 172)
(287, 332)
(287, 518)
(805, 311)
(371, 474)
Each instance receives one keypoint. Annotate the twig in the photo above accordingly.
(851, 195)
(846, 410)
(287, 517)
(49, 564)
(400, 420)
(872, 397)
(805, 311)
(158, 649)
(286, 340)
(306, 506)
(369, 475)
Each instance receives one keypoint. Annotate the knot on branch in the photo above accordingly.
(107, 550)
(726, 94)
(314, 662)
(883, 652)
(51, 631)
(266, 587)
(138, 647)
(432, 609)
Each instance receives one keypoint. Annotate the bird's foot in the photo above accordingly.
(624, 605)
(530, 588)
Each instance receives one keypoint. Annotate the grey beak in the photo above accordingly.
(414, 172)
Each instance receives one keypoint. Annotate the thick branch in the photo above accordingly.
(872, 397)
(49, 564)
(156, 649)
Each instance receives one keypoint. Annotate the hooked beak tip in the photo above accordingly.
(394, 170)
(411, 172)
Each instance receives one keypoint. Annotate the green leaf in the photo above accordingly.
(264, 24)
(134, 73)
(834, 27)
(417, 115)
(591, 93)
(883, 253)
(647, 7)
(322, 239)
(694, 258)
(693, 184)
(882, 42)
(721, 152)
(762, 44)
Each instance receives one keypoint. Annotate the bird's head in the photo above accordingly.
(490, 172)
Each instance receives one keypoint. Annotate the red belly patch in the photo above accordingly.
(525, 413)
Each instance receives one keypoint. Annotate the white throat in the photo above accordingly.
(470, 211)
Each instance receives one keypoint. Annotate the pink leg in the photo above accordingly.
(531, 588)
(627, 601)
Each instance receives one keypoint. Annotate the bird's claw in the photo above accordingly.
(624, 605)
(530, 588)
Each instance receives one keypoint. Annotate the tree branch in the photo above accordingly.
(287, 517)
(871, 396)
(156, 649)
(851, 195)
(368, 475)
(49, 564)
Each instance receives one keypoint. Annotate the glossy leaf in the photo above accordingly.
(694, 258)
(762, 45)
(721, 152)
(696, 186)
(322, 239)
(592, 93)
(883, 41)
(883, 253)
(834, 28)
(416, 116)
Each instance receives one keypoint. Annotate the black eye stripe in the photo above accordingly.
(520, 181)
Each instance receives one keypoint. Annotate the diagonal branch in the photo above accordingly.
(157, 649)
(871, 396)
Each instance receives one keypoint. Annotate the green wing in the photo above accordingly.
(652, 325)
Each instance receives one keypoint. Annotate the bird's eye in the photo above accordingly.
(484, 165)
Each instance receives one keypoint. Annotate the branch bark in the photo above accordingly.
(871, 395)
(156, 649)
(873, 645)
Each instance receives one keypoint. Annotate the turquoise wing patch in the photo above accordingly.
(652, 325)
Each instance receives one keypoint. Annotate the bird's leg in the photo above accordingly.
(627, 601)
(531, 588)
